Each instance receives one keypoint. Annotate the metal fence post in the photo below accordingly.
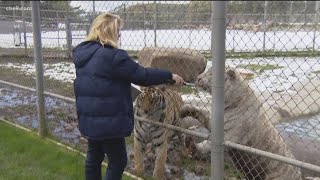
(155, 23)
(58, 29)
(68, 31)
(93, 10)
(39, 67)
(218, 38)
(316, 19)
(144, 26)
(305, 11)
(290, 18)
(23, 14)
(264, 25)
(190, 25)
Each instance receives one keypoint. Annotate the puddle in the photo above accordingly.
(11, 98)
(303, 127)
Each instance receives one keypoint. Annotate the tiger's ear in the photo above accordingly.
(142, 88)
(231, 74)
(162, 87)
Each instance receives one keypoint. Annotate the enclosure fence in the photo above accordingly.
(251, 107)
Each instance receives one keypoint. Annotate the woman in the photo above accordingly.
(102, 87)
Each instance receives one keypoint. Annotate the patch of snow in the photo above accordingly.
(199, 39)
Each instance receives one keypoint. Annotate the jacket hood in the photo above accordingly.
(83, 52)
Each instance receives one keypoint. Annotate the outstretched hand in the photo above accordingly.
(178, 80)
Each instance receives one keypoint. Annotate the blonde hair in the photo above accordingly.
(105, 29)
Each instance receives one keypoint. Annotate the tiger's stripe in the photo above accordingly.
(161, 105)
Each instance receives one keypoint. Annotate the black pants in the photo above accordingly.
(115, 149)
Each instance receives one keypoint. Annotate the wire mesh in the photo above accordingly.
(273, 45)
(282, 45)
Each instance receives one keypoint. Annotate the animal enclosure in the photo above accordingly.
(271, 91)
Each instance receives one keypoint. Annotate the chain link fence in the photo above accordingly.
(272, 96)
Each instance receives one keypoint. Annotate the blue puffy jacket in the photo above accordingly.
(103, 89)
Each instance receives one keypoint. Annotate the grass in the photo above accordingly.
(135, 54)
(14, 76)
(258, 69)
(24, 155)
(229, 171)
(21, 58)
(267, 53)
(55, 86)
(261, 68)
(191, 166)
(186, 89)
(305, 53)
(130, 139)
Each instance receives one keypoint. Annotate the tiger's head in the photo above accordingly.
(234, 83)
(150, 103)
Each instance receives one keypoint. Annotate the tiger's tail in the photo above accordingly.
(201, 115)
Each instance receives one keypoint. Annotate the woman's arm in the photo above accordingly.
(125, 68)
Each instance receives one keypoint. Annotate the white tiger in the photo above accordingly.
(246, 124)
